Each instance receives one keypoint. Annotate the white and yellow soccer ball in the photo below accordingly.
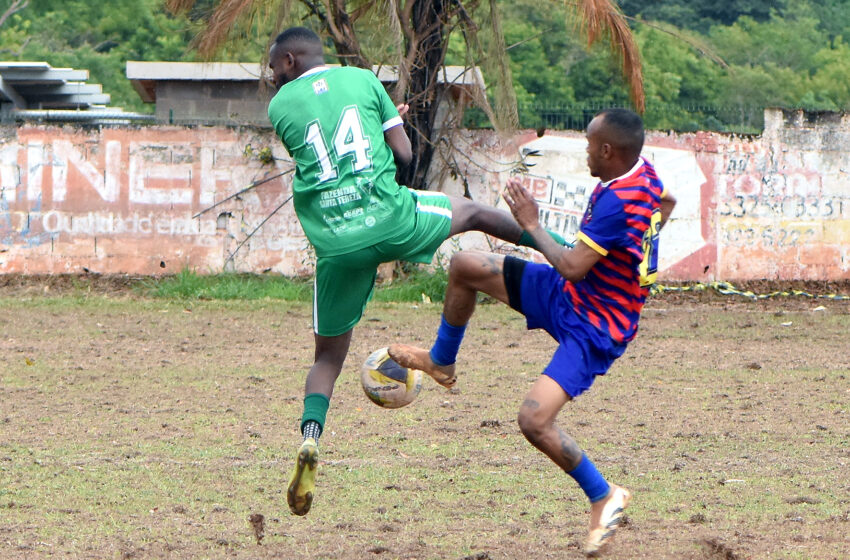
(388, 384)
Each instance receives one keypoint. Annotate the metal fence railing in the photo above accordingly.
(742, 119)
(658, 116)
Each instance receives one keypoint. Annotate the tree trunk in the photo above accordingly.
(427, 39)
(341, 29)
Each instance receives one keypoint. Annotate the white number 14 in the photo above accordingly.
(348, 138)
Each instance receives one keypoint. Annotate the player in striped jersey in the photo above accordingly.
(346, 137)
(588, 298)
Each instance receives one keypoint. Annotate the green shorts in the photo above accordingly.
(344, 283)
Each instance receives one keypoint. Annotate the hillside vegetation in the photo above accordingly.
(707, 65)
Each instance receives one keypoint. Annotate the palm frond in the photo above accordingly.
(396, 37)
(499, 63)
(220, 25)
(179, 6)
(603, 17)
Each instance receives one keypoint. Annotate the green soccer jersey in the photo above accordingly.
(332, 123)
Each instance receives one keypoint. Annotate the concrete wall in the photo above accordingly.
(225, 102)
(122, 200)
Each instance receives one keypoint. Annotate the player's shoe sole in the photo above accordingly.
(602, 531)
(302, 483)
(419, 358)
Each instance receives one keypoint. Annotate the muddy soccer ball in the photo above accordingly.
(388, 384)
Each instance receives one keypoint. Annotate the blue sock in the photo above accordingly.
(449, 337)
(590, 479)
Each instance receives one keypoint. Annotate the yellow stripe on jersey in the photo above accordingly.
(591, 243)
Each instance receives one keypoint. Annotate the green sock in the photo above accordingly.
(526, 240)
(315, 409)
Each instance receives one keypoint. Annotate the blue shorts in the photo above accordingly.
(537, 291)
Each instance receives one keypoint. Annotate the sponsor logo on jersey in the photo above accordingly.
(320, 86)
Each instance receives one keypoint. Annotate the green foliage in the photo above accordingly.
(699, 16)
(706, 65)
(784, 61)
(97, 36)
(431, 285)
(674, 71)
(790, 53)
(189, 285)
(540, 48)
(834, 16)
(830, 84)
(783, 41)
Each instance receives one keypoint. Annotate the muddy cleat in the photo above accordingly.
(605, 517)
(419, 358)
(299, 494)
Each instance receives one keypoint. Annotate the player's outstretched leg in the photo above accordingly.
(419, 358)
(605, 516)
(468, 215)
(302, 483)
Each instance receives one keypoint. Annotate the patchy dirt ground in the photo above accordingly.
(134, 428)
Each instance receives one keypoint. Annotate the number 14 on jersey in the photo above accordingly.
(348, 139)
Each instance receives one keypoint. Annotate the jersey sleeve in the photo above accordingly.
(389, 113)
(607, 226)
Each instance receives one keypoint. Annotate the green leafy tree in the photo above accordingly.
(833, 15)
(541, 49)
(700, 15)
(784, 61)
(14, 7)
(790, 42)
(830, 85)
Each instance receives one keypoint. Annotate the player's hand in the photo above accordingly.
(402, 108)
(522, 204)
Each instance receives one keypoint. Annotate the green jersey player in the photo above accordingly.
(346, 137)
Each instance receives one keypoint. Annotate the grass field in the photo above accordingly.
(135, 427)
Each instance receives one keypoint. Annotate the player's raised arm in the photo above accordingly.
(572, 264)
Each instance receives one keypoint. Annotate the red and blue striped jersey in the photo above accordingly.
(621, 223)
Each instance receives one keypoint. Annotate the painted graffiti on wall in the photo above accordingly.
(71, 187)
(125, 200)
(782, 209)
(561, 183)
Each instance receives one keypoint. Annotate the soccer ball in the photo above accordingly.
(388, 384)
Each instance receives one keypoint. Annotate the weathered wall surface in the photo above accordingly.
(124, 199)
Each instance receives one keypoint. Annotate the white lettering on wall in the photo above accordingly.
(150, 163)
(35, 169)
(109, 223)
(10, 173)
(65, 155)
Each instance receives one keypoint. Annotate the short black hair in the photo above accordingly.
(626, 127)
(297, 34)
